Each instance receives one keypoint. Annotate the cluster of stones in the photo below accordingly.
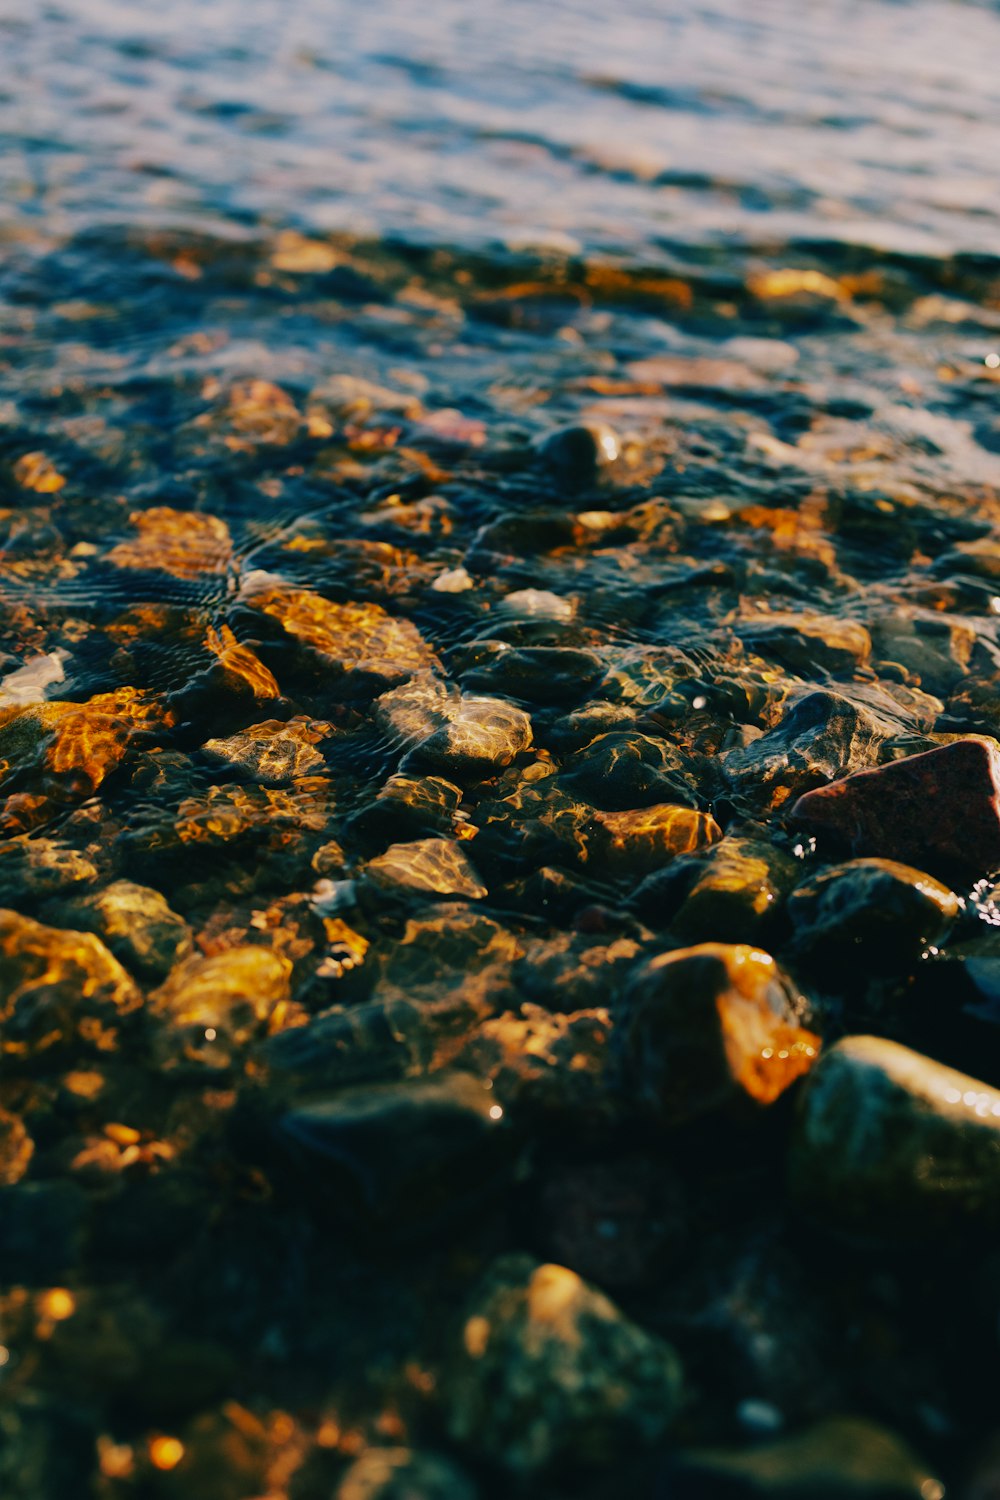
(441, 1035)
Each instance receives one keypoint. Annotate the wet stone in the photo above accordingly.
(892, 1146)
(403, 1474)
(821, 736)
(427, 867)
(272, 753)
(545, 1064)
(805, 643)
(939, 810)
(214, 1006)
(58, 988)
(623, 770)
(34, 868)
(738, 895)
(16, 1149)
(404, 1155)
(635, 842)
(578, 454)
(417, 804)
(480, 737)
(536, 674)
(136, 923)
(546, 1368)
(702, 1028)
(843, 1458)
(870, 911)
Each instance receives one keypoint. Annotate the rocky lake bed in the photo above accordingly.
(499, 865)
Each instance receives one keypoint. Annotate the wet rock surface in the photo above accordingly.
(495, 816)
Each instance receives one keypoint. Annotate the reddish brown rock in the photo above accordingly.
(939, 810)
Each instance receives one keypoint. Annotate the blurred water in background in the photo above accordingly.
(575, 124)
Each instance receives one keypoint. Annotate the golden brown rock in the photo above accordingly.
(182, 542)
(58, 987)
(706, 1026)
(355, 639)
(643, 839)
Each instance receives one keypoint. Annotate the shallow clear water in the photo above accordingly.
(297, 303)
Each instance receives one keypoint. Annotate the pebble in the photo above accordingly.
(481, 736)
(547, 1368)
(58, 988)
(738, 894)
(403, 1474)
(633, 843)
(703, 1027)
(578, 454)
(873, 912)
(939, 810)
(426, 867)
(890, 1145)
(136, 923)
(214, 1006)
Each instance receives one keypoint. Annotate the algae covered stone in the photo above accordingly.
(136, 923)
(547, 1368)
(890, 1144)
(57, 987)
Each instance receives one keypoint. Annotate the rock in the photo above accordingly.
(548, 1369)
(736, 898)
(359, 646)
(578, 453)
(402, 1474)
(543, 1063)
(702, 1027)
(808, 643)
(479, 738)
(633, 843)
(625, 769)
(33, 868)
(536, 674)
(822, 735)
(890, 1145)
(186, 544)
(843, 1458)
(272, 753)
(16, 1149)
(872, 912)
(400, 1155)
(137, 925)
(939, 810)
(936, 651)
(58, 988)
(427, 867)
(410, 804)
(214, 1006)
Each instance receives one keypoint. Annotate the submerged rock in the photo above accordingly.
(548, 1369)
(806, 642)
(33, 868)
(738, 893)
(623, 770)
(58, 988)
(635, 842)
(273, 752)
(136, 923)
(843, 1458)
(402, 1474)
(702, 1027)
(578, 453)
(214, 1006)
(427, 867)
(891, 1145)
(404, 1155)
(939, 810)
(479, 737)
(872, 911)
